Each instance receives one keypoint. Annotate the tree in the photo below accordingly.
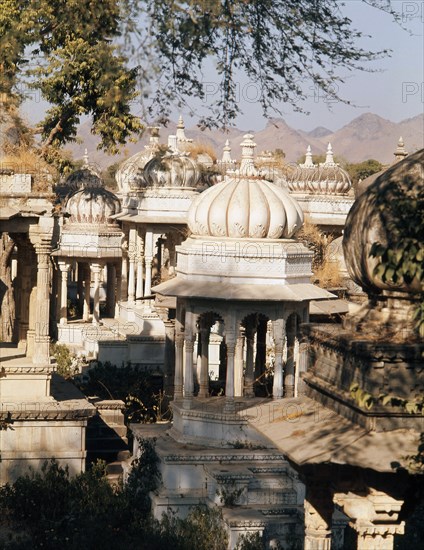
(66, 51)
(72, 53)
(361, 170)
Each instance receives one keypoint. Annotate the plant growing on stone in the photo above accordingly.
(67, 363)
(250, 541)
(229, 494)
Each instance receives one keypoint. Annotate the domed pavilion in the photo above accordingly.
(323, 191)
(90, 242)
(241, 267)
(157, 187)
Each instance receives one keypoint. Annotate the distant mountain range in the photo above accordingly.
(367, 136)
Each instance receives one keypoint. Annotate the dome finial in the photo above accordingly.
(247, 166)
(329, 159)
(180, 133)
(400, 152)
(309, 163)
(226, 153)
(85, 158)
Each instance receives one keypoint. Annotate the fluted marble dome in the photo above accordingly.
(245, 205)
(328, 178)
(376, 216)
(91, 207)
(176, 170)
(86, 176)
(129, 175)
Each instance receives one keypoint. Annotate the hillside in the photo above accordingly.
(366, 136)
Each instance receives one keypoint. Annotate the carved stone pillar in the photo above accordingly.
(25, 253)
(80, 285)
(204, 361)
(278, 335)
(124, 271)
(188, 368)
(238, 366)
(317, 527)
(64, 271)
(229, 382)
(32, 311)
(290, 365)
(140, 264)
(110, 289)
(118, 275)
(375, 536)
(148, 258)
(179, 361)
(132, 249)
(87, 288)
(96, 269)
(148, 283)
(169, 358)
(41, 337)
(374, 517)
(250, 365)
(302, 366)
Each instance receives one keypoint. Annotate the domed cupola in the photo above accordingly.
(172, 170)
(377, 216)
(298, 180)
(86, 176)
(245, 205)
(91, 207)
(326, 179)
(129, 176)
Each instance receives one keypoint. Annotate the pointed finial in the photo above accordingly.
(400, 152)
(180, 122)
(329, 159)
(226, 153)
(85, 158)
(308, 158)
(247, 166)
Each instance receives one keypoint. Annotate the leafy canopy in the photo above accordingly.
(76, 54)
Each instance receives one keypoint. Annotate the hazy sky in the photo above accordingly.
(395, 92)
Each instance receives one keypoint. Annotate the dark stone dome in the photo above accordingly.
(377, 215)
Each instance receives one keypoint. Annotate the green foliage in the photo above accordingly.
(67, 50)
(76, 54)
(268, 41)
(250, 541)
(50, 509)
(229, 494)
(202, 529)
(367, 401)
(141, 392)
(64, 360)
(361, 170)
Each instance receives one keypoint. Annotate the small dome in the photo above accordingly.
(130, 173)
(375, 217)
(92, 206)
(86, 176)
(172, 170)
(326, 179)
(245, 205)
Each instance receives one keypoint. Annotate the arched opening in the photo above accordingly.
(211, 354)
(257, 379)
